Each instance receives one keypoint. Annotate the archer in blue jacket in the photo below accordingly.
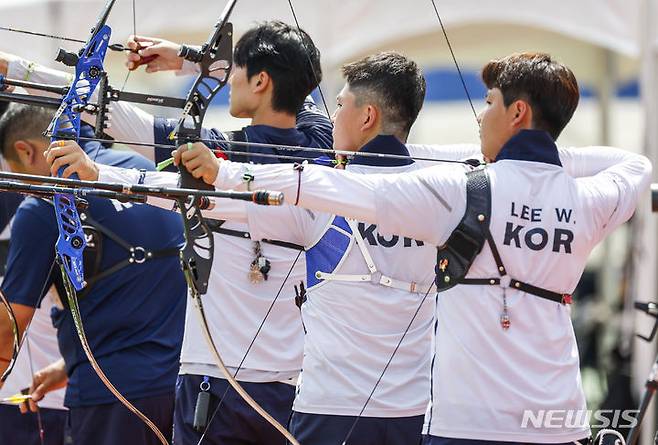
(132, 311)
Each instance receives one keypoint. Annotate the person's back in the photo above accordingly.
(132, 306)
(504, 360)
(131, 300)
(333, 315)
(366, 295)
(544, 224)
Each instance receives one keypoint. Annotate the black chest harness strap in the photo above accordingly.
(215, 225)
(456, 256)
(136, 254)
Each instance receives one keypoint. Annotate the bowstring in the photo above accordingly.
(454, 59)
(388, 363)
(253, 340)
(468, 96)
(279, 146)
(25, 340)
(134, 8)
(308, 57)
(39, 419)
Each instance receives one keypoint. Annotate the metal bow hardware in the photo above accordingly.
(215, 58)
(71, 242)
(66, 125)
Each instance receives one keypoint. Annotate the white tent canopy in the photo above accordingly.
(341, 29)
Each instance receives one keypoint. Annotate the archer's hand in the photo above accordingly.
(199, 160)
(156, 54)
(50, 378)
(341, 160)
(68, 154)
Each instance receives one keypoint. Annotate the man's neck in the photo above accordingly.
(276, 119)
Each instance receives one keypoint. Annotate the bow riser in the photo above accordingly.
(216, 61)
(66, 125)
(197, 253)
(71, 240)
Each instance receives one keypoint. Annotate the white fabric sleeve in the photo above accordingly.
(131, 123)
(228, 209)
(613, 194)
(120, 175)
(588, 161)
(281, 223)
(127, 122)
(388, 200)
(21, 69)
(577, 162)
(221, 208)
(430, 154)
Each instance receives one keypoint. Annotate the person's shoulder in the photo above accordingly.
(34, 206)
(33, 214)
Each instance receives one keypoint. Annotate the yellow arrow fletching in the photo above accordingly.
(17, 399)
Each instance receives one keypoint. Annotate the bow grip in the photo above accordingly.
(190, 182)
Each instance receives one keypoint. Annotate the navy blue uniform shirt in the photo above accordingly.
(313, 129)
(134, 319)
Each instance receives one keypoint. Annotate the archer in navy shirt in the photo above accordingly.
(312, 129)
(133, 318)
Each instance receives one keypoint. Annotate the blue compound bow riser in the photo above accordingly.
(66, 125)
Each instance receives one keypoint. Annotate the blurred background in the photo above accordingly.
(611, 45)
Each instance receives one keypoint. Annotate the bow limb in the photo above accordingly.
(424, 298)
(15, 337)
(15, 352)
(215, 59)
(198, 304)
(77, 320)
(71, 242)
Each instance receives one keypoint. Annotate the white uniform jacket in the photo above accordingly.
(363, 291)
(484, 378)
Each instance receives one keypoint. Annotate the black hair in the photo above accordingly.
(21, 122)
(287, 55)
(548, 86)
(392, 82)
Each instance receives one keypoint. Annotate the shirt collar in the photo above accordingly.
(383, 144)
(531, 145)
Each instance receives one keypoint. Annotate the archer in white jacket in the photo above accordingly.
(500, 352)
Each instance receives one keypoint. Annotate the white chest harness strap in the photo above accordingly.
(374, 276)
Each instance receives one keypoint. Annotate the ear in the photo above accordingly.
(25, 152)
(260, 82)
(522, 114)
(370, 117)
